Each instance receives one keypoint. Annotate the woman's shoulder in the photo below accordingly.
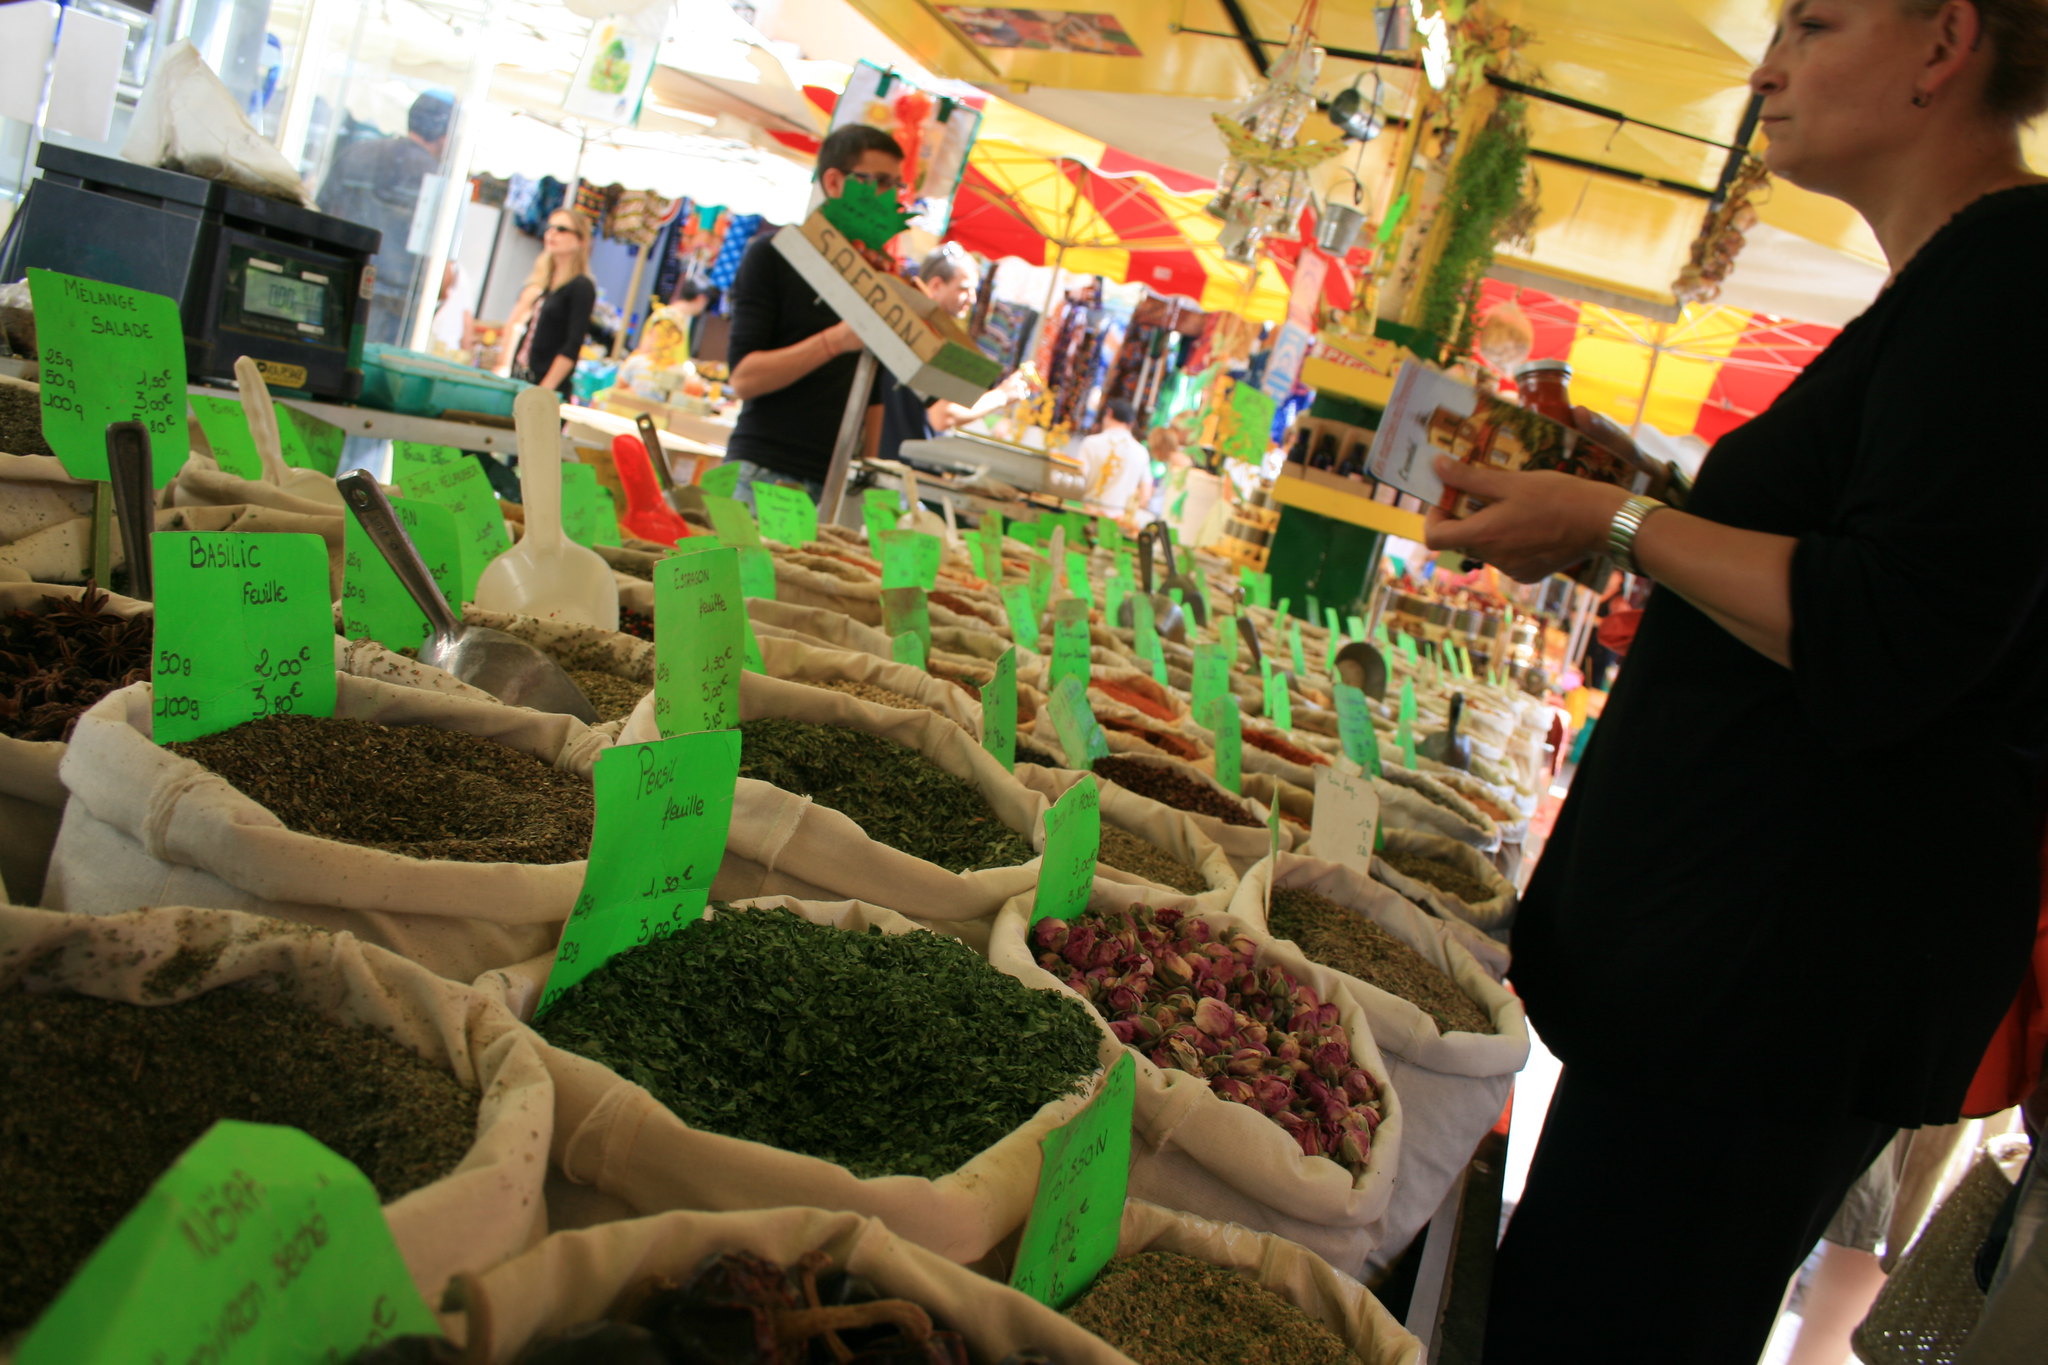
(1997, 237)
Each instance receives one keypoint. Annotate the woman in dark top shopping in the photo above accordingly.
(559, 298)
(1794, 887)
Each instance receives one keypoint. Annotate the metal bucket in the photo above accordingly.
(1338, 227)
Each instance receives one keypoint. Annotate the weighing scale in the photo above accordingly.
(251, 276)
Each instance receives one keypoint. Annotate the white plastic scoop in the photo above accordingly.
(261, 414)
(547, 574)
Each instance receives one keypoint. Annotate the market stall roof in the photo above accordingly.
(1638, 109)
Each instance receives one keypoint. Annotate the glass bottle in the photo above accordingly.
(1545, 386)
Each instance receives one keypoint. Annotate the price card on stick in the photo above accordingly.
(109, 354)
(1226, 722)
(1346, 822)
(306, 442)
(1294, 648)
(451, 479)
(999, 712)
(757, 571)
(905, 611)
(723, 481)
(1023, 619)
(786, 514)
(699, 643)
(244, 630)
(988, 546)
(910, 559)
(1081, 735)
(257, 1245)
(1069, 643)
(1211, 674)
(879, 509)
(1077, 576)
(589, 516)
(1258, 587)
(1115, 588)
(1354, 728)
(1078, 1212)
(1336, 638)
(1073, 839)
(663, 812)
(373, 603)
(1279, 704)
(731, 522)
(226, 426)
(1041, 585)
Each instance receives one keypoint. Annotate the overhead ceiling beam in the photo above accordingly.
(1254, 46)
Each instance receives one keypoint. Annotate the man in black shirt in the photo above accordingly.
(792, 358)
(949, 278)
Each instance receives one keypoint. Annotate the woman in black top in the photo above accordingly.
(559, 298)
(1794, 887)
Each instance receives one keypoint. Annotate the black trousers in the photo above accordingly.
(1658, 1231)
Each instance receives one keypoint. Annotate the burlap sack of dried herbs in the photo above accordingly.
(1197, 1152)
(576, 1277)
(144, 825)
(1502, 804)
(783, 843)
(31, 794)
(1155, 741)
(1409, 800)
(1493, 915)
(203, 483)
(485, 1211)
(36, 493)
(617, 1138)
(793, 660)
(625, 660)
(1243, 845)
(821, 625)
(1453, 1083)
(808, 580)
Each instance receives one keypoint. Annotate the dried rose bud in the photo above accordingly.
(1126, 1030)
(1147, 1028)
(1358, 1086)
(1246, 1062)
(1050, 935)
(1173, 969)
(1354, 1151)
(1232, 1089)
(1122, 1000)
(1215, 1018)
(1330, 1061)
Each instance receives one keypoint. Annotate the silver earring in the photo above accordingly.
(1921, 99)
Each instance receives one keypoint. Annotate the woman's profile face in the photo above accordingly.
(1838, 84)
(562, 237)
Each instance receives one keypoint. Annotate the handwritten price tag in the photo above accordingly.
(1226, 722)
(109, 354)
(988, 547)
(1211, 675)
(1115, 588)
(1336, 638)
(786, 514)
(1079, 1209)
(663, 812)
(1294, 648)
(1258, 587)
(258, 1244)
(1069, 643)
(226, 425)
(722, 481)
(1041, 585)
(1354, 729)
(757, 571)
(907, 649)
(1354, 626)
(373, 603)
(910, 559)
(306, 442)
(1081, 735)
(879, 510)
(244, 630)
(1145, 628)
(1073, 840)
(1279, 704)
(999, 712)
(1023, 619)
(1077, 576)
(445, 475)
(1346, 821)
(905, 611)
(698, 640)
(731, 522)
(588, 515)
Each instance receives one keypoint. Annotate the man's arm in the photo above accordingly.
(760, 372)
(758, 365)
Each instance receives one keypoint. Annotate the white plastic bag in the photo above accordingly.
(187, 120)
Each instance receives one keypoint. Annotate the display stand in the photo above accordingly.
(852, 427)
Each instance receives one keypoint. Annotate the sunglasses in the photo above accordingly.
(564, 227)
(884, 181)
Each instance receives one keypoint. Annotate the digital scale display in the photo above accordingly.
(272, 295)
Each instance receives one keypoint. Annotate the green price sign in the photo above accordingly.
(1211, 675)
(988, 548)
(1258, 587)
(306, 442)
(879, 510)
(1073, 839)
(1226, 722)
(1041, 585)
(906, 611)
(109, 355)
(588, 517)
(1069, 643)
(663, 812)
(258, 1244)
(373, 604)
(1081, 735)
(999, 712)
(1115, 588)
(786, 514)
(699, 623)
(1336, 638)
(731, 521)
(757, 571)
(226, 425)
(1079, 1209)
(907, 649)
(244, 630)
(1077, 576)
(1354, 729)
(446, 476)
(1294, 648)
(722, 481)
(910, 559)
(1354, 626)
(1279, 705)
(1023, 618)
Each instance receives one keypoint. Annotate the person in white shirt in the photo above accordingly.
(1118, 468)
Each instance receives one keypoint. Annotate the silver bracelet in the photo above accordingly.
(1621, 532)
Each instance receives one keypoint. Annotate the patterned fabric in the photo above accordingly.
(739, 231)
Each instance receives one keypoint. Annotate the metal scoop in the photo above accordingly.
(1447, 746)
(1167, 617)
(1192, 594)
(511, 670)
(134, 503)
(1363, 667)
(671, 493)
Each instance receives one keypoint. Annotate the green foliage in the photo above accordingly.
(1482, 200)
(868, 215)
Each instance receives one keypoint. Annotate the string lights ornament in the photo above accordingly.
(1264, 184)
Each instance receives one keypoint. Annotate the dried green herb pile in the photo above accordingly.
(1163, 1308)
(612, 696)
(410, 789)
(1445, 877)
(101, 1097)
(866, 691)
(1354, 945)
(890, 1054)
(895, 794)
(1126, 852)
(21, 422)
(1171, 788)
(1436, 794)
(57, 661)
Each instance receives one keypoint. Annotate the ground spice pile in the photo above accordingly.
(1273, 744)
(1445, 877)
(1031, 753)
(1354, 945)
(57, 661)
(410, 789)
(890, 1054)
(895, 794)
(637, 624)
(1435, 793)
(1126, 852)
(612, 696)
(1134, 697)
(1178, 790)
(21, 422)
(867, 691)
(102, 1096)
(1163, 1308)
(1183, 749)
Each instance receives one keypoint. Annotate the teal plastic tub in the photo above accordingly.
(422, 385)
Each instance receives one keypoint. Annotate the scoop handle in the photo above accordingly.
(261, 414)
(134, 502)
(650, 438)
(537, 416)
(379, 520)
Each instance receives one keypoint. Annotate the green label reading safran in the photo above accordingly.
(109, 355)
(663, 813)
(258, 1246)
(244, 630)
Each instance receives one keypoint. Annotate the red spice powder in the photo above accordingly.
(1172, 744)
(1133, 698)
(955, 602)
(1273, 744)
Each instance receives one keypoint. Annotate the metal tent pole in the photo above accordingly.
(852, 424)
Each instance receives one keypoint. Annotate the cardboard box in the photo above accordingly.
(1361, 368)
(926, 350)
(1431, 414)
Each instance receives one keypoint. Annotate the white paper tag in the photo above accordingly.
(1347, 814)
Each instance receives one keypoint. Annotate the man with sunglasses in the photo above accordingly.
(792, 358)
